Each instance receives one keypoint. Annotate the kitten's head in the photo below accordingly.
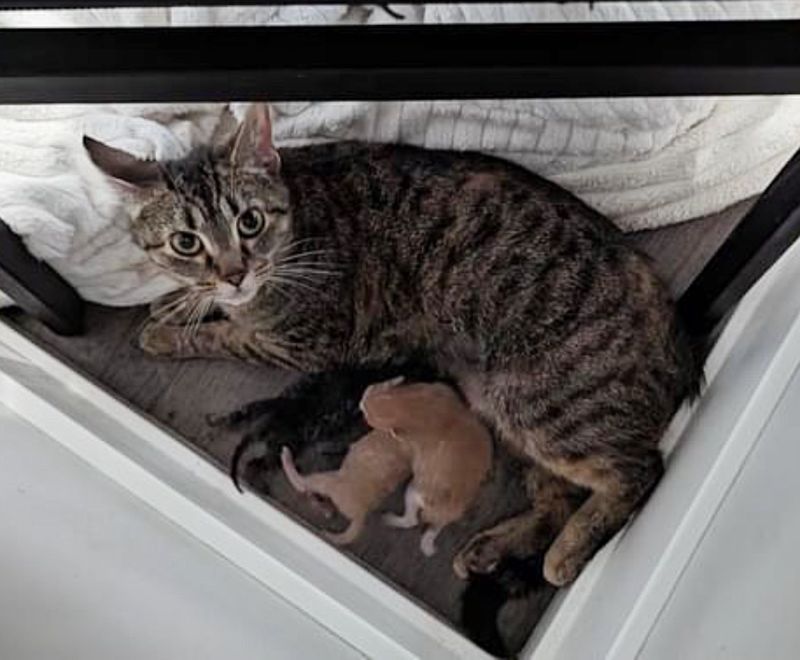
(410, 407)
(219, 219)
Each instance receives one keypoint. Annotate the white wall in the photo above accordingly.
(89, 571)
(739, 596)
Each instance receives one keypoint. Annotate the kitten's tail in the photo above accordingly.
(486, 595)
(296, 479)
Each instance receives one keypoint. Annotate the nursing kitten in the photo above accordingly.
(374, 467)
(337, 420)
(337, 255)
(422, 430)
(449, 451)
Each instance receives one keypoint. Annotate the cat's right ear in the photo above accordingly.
(252, 145)
(123, 167)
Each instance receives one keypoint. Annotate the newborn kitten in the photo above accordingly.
(449, 448)
(373, 468)
(420, 429)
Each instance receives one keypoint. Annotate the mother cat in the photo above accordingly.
(348, 254)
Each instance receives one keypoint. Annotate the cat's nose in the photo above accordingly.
(236, 278)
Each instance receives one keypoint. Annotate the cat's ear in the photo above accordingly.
(225, 130)
(122, 166)
(252, 145)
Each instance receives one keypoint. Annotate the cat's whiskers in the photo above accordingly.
(166, 312)
(290, 282)
(297, 256)
(175, 306)
(300, 270)
(200, 310)
(291, 245)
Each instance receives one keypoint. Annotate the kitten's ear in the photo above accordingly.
(380, 412)
(122, 166)
(252, 145)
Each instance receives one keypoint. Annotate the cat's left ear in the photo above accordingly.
(252, 145)
(132, 172)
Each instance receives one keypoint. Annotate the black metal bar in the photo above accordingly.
(397, 62)
(757, 242)
(37, 288)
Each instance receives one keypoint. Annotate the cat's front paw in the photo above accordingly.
(159, 340)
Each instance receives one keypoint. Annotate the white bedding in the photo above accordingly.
(643, 162)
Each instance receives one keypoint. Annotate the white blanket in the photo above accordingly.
(643, 162)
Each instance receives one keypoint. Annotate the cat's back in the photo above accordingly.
(388, 174)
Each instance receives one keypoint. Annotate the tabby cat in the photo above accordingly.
(348, 254)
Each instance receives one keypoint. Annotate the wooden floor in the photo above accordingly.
(174, 393)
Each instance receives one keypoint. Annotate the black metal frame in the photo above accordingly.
(422, 62)
(399, 62)
(36, 287)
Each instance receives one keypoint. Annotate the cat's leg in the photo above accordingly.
(409, 517)
(553, 500)
(215, 339)
(618, 486)
(350, 534)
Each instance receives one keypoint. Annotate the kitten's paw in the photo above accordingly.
(428, 548)
(560, 567)
(428, 542)
(322, 505)
(159, 340)
(400, 522)
(481, 555)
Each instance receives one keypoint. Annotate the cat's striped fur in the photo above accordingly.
(557, 333)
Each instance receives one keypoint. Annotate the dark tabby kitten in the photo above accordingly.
(345, 254)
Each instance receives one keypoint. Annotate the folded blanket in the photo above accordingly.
(643, 162)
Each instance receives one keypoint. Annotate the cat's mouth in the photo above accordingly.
(228, 294)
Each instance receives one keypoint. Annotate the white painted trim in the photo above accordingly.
(275, 550)
(699, 516)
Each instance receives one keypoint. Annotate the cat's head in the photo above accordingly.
(217, 220)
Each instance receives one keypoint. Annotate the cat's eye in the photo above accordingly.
(250, 224)
(186, 243)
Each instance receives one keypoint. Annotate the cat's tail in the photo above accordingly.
(249, 449)
(486, 595)
(694, 347)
